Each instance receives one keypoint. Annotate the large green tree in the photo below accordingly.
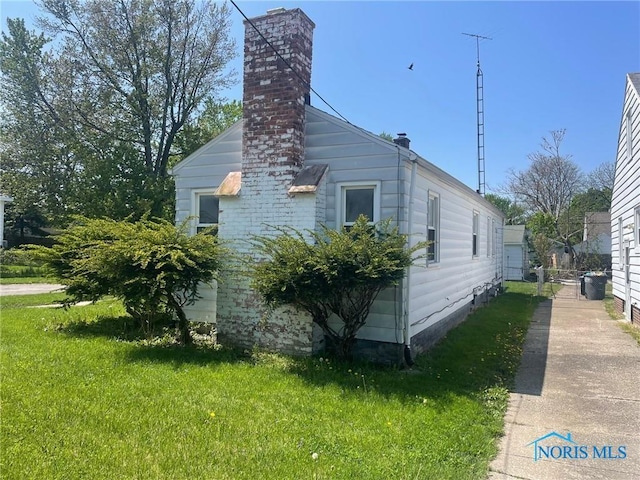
(514, 213)
(108, 97)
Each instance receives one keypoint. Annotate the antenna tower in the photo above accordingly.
(480, 114)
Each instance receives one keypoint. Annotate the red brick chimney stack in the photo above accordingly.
(274, 95)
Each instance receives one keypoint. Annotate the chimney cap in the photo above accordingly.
(276, 10)
(401, 134)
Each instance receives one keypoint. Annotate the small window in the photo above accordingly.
(488, 236)
(474, 234)
(494, 244)
(206, 211)
(433, 229)
(359, 199)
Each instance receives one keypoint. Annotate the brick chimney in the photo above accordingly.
(272, 188)
(274, 95)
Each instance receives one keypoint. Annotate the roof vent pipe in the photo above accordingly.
(402, 140)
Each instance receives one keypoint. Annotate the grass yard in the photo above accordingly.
(84, 396)
(615, 315)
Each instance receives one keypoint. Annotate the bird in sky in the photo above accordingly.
(411, 67)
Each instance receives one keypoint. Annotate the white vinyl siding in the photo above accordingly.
(626, 200)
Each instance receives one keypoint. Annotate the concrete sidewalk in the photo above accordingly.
(30, 288)
(580, 375)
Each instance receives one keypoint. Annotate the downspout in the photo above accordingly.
(407, 284)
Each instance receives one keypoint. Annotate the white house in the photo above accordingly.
(287, 163)
(625, 207)
(516, 252)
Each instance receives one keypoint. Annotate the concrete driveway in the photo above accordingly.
(27, 289)
(575, 410)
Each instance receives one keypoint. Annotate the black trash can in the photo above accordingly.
(594, 286)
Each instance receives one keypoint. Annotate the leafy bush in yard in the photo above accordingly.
(341, 273)
(152, 265)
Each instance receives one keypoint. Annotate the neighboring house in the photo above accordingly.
(594, 252)
(625, 207)
(287, 163)
(516, 252)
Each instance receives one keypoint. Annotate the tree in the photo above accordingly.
(341, 272)
(549, 185)
(386, 136)
(121, 75)
(152, 265)
(36, 164)
(514, 213)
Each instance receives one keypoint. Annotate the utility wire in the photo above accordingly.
(307, 84)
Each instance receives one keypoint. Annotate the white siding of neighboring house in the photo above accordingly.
(626, 197)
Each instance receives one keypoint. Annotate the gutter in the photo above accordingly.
(407, 284)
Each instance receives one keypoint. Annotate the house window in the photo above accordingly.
(433, 229)
(636, 226)
(359, 199)
(488, 237)
(474, 234)
(494, 245)
(620, 239)
(206, 209)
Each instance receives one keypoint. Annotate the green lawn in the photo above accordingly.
(84, 396)
(19, 280)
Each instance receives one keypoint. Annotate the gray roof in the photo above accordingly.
(635, 81)
(514, 234)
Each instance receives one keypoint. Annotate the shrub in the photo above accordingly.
(152, 265)
(341, 273)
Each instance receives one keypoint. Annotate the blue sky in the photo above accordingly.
(549, 65)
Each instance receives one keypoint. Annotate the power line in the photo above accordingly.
(275, 50)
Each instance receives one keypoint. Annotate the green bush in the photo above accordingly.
(152, 265)
(341, 273)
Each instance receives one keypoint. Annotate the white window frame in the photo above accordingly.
(494, 243)
(195, 209)
(435, 226)
(620, 244)
(475, 234)
(488, 237)
(341, 200)
(636, 227)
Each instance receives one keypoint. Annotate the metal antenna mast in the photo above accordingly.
(480, 114)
